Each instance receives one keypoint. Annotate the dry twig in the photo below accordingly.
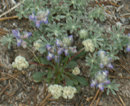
(98, 98)
(118, 102)
(4, 89)
(95, 97)
(11, 9)
(6, 18)
(45, 100)
(122, 101)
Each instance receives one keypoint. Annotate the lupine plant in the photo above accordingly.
(58, 24)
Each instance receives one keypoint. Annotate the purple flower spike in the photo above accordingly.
(110, 66)
(27, 34)
(57, 58)
(50, 56)
(71, 38)
(16, 33)
(45, 17)
(38, 23)
(105, 72)
(19, 41)
(107, 81)
(93, 83)
(100, 86)
(128, 48)
(101, 65)
(48, 47)
(128, 34)
(73, 49)
(46, 21)
(66, 51)
(59, 43)
(32, 17)
(60, 51)
(101, 53)
(24, 44)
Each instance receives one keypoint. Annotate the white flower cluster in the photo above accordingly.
(67, 41)
(20, 62)
(57, 91)
(88, 44)
(76, 71)
(83, 33)
(68, 92)
(37, 44)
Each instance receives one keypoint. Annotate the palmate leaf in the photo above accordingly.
(112, 87)
(7, 40)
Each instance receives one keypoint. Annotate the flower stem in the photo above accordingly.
(75, 55)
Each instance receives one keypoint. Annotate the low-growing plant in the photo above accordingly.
(56, 29)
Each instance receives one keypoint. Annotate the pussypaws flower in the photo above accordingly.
(88, 44)
(76, 71)
(68, 40)
(68, 92)
(37, 44)
(55, 90)
(20, 62)
(83, 33)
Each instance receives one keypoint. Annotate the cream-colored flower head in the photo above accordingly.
(88, 44)
(68, 92)
(76, 71)
(55, 90)
(68, 40)
(83, 33)
(20, 62)
(37, 44)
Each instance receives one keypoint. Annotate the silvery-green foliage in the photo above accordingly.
(91, 60)
(112, 87)
(97, 13)
(30, 6)
(55, 29)
(92, 26)
(70, 17)
(113, 53)
(72, 24)
(7, 40)
(118, 38)
(97, 40)
(22, 12)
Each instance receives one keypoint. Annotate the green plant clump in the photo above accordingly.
(58, 24)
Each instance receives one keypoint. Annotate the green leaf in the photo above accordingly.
(80, 55)
(78, 87)
(71, 64)
(68, 81)
(112, 87)
(45, 61)
(50, 74)
(82, 80)
(37, 76)
(7, 40)
(73, 77)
